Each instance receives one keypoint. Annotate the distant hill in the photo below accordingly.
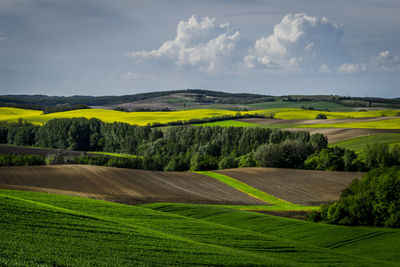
(189, 98)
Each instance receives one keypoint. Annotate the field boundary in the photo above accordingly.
(276, 203)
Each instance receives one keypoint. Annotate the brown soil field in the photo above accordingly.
(296, 186)
(123, 185)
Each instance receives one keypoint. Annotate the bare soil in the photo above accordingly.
(123, 185)
(303, 187)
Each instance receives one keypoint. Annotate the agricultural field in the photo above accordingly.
(381, 124)
(358, 144)
(302, 187)
(145, 118)
(77, 231)
(123, 185)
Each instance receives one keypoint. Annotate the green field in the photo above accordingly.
(318, 105)
(234, 123)
(145, 118)
(46, 229)
(368, 242)
(382, 124)
(358, 144)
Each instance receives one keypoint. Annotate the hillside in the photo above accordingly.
(46, 229)
(296, 186)
(123, 185)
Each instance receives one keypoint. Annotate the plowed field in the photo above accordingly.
(296, 186)
(123, 185)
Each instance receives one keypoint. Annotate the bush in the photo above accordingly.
(321, 117)
(21, 160)
(227, 163)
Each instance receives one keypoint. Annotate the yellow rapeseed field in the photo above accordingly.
(145, 118)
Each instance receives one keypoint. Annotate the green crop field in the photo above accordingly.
(371, 243)
(145, 118)
(234, 123)
(46, 229)
(358, 144)
(382, 124)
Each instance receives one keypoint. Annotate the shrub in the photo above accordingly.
(321, 117)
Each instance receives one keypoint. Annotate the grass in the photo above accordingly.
(46, 229)
(122, 155)
(234, 123)
(274, 202)
(145, 118)
(370, 242)
(382, 124)
(357, 144)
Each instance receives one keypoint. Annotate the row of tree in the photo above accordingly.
(200, 148)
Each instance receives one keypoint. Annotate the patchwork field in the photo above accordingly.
(296, 186)
(144, 118)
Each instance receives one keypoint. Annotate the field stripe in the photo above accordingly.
(277, 203)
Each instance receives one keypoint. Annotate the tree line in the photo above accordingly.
(198, 148)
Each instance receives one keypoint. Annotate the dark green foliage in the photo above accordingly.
(21, 160)
(176, 149)
(334, 159)
(290, 154)
(380, 155)
(321, 117)
(373, 200)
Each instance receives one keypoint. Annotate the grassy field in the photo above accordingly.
(45, 229)
(144, 118)
(357, 144)
(370, 242)
(299, 104)
(233, 123)
(382, 124)
(276, 203)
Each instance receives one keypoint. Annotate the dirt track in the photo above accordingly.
(122, 185)
(296, 186)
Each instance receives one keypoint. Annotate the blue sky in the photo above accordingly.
(119, 47)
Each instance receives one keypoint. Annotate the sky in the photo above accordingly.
(101, 47)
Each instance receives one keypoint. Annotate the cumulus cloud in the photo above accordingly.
(384, 61)
(299, 42)
(199, 42)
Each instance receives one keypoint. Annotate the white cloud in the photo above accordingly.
(136, 76)
(299, 42)
(348, 68)
(199, 42)
(384, 61)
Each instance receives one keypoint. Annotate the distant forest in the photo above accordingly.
(192, 148)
